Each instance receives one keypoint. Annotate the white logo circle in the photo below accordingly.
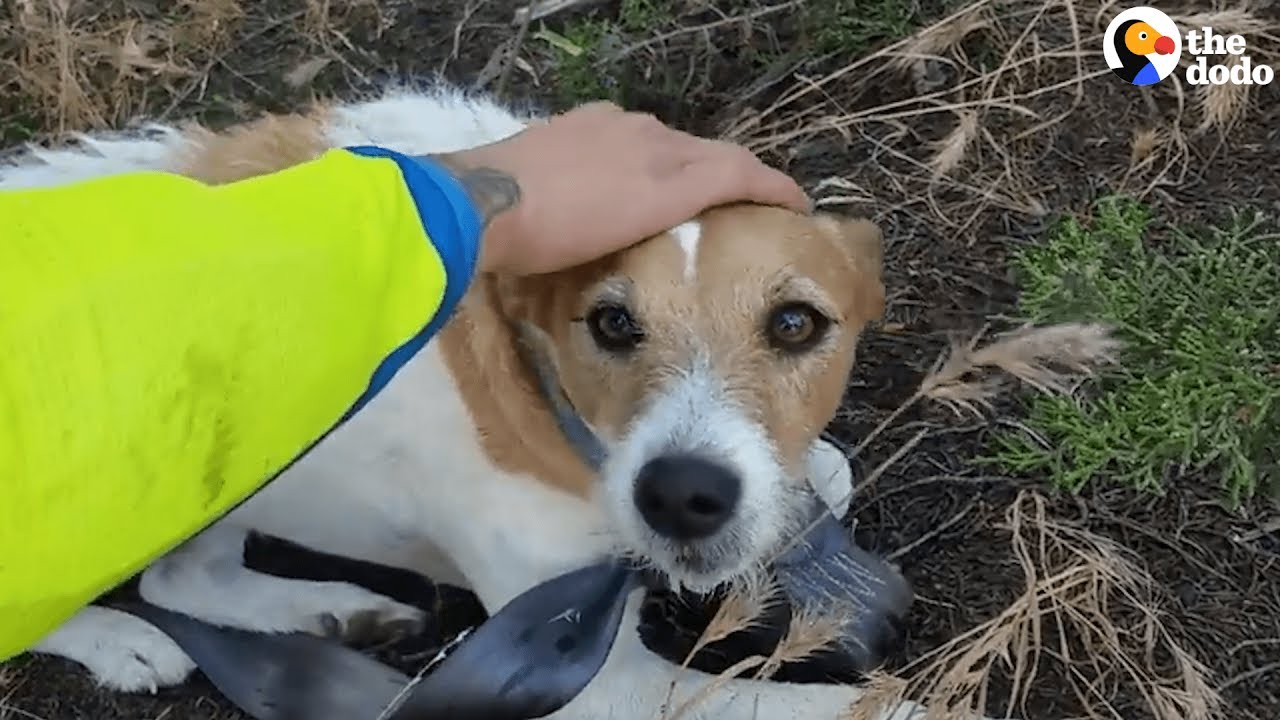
(1163, 64)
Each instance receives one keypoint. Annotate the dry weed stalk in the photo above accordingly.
(943, 37)
(1067, 614)
(746, 602)
(1047, 358)
(1246, 18)
(712, 685)
(744, 605)
(810, 631)
(1051, 359)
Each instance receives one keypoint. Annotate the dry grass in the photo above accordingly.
(80, 65)
(8, 679)
(1006, 73)
(75, 70)
(1088, 606)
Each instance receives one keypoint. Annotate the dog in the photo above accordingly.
(708, 359)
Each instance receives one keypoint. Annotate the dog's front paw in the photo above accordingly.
(122, 652)
(141, 665)
(388, 622)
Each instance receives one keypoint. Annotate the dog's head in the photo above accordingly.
(708, 359)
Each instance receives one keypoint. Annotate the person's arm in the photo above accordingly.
(168, 347)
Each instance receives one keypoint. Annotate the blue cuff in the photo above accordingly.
(448, 216)
(454, 225)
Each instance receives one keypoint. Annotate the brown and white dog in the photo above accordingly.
(707, 359)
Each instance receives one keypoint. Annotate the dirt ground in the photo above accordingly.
(865, 143)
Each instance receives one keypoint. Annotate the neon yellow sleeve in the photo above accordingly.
(168, 347)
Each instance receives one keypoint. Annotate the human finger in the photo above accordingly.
(726, 172)
(597, 107)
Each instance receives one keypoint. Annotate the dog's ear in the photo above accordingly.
(549, 300)
(513, 295)
(862, 243)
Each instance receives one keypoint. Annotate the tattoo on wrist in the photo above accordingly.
(492, 191)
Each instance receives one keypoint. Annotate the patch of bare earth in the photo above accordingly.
(963, 139)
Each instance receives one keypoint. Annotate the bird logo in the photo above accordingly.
(1142, 45)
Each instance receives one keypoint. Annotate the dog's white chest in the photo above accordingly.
(408, 477)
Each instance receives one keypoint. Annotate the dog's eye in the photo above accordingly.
(796, 327)
(614, 329)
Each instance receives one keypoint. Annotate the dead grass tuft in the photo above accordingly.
(809, 632)
(1088, 606)
(1222, 106)
(746, 602)
(1049, 359)
(207, 23)
(1145, 144)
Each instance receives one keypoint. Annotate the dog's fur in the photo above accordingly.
(457, 471)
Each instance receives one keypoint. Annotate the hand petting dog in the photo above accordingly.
(597, 179)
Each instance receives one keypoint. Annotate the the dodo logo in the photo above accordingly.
(1142, 45)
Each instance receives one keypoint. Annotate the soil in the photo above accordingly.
(1218, 570)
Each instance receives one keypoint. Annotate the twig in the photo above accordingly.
(1253, 643)
(203, 75)
(880, 469)
(467, 12)
(1266, 528)
(546, 8)
(6, 709)
(663, 37)
(1249, 675)
(501, 88)
(941, 528)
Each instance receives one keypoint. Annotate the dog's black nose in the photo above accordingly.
(685, 497)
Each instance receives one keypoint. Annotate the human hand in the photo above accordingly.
(597, 179)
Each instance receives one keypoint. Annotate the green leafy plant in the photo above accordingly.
(1197, 388)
